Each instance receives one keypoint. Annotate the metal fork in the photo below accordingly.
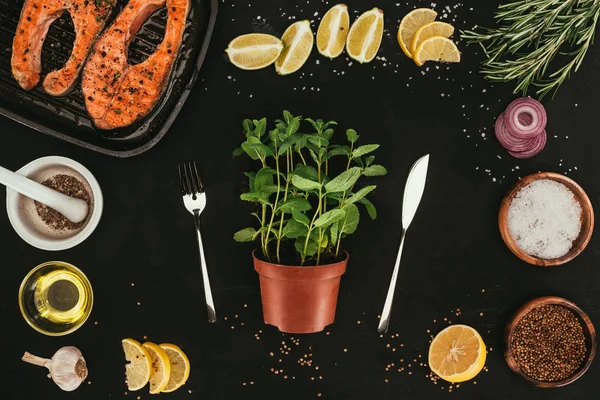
(194, 199)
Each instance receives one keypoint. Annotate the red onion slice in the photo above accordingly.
(510, 142)
(525, 118)
(534, 151)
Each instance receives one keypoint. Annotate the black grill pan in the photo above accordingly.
(66, 117)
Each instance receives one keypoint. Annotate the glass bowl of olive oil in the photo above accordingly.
(56, 298)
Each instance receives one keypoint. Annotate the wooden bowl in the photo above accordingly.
(587, 220)
(588, 331)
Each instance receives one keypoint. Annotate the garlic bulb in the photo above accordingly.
(67, 367)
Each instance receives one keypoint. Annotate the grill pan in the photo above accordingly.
(66, 117)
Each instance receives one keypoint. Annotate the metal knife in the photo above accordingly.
(413, 192)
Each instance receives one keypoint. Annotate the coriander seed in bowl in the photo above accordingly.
(550, 342)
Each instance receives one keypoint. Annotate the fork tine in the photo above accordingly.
(186, 177)
(182, 180)
(198, 178)
(190, 178)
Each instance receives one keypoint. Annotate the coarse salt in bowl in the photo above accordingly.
(28, 224)
(546, 219)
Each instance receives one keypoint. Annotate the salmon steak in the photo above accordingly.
(89, 18)
(117, 93)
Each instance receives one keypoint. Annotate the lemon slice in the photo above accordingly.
(298, 42)
(333, 30)
(365, 36)
(137, 370)
(435, 28)
(161, 367)
(180, 367)
(436, 48)
(254, 51)
(410, 24)
(457, 353)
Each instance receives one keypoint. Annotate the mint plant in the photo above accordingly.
(300, 199)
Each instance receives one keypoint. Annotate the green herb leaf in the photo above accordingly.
(314, 156)
(369, 160)
(360, 194)
(247, 127)
(343, 181)
(257, 150)
(315, 124)
(295, 203)
(307, 172)
(375, 170)
(352, 135)
(366, 149)
(304, 184)
(251, 179)
(350, 222)
(311, 249)
(294, 229)
(337, 150)
(329, 218)
(255, 198)
(370, 208)
(301, 218)
(238, 152)
(287, 116)
(293, 126)
(328, 123)
(289, 142)
(328, 134)
(318, 141)
(245, 235)
(334, 231)
(260, 127)
(264, 178)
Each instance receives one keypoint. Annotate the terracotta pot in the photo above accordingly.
(299, 299)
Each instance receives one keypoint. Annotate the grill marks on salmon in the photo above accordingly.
(116, 93)
(89, 18)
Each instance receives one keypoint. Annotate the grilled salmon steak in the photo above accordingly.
(89, 18)
(116, 93)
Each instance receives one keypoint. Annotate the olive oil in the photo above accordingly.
(56, 298)
(60, 297)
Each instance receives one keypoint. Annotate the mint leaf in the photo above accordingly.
(343, 181)
(301, 218)
(366, 149)
(294, 229)
(305, 184)
(350, 223)
(370, 208)
(295, 203)
(352, 135)
(375, 170)
(329, 218)
(245, 235)
(360, 194)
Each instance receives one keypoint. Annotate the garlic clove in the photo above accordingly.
(67, 367)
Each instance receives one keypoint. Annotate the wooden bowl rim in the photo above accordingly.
(588, 329)
(586, 208)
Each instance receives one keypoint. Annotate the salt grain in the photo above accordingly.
(544, 219)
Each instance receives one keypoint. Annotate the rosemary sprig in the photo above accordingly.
(529, 35)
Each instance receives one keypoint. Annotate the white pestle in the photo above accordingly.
(76, 210)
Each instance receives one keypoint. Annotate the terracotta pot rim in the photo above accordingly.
(313, 267)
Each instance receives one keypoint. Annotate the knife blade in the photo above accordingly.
(413, 193)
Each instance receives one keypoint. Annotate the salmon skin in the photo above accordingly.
(89, 18)
(116, 93)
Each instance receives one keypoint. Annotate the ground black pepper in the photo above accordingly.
(548, 343)
(70, 186)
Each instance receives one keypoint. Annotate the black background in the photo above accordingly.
(453, 249)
